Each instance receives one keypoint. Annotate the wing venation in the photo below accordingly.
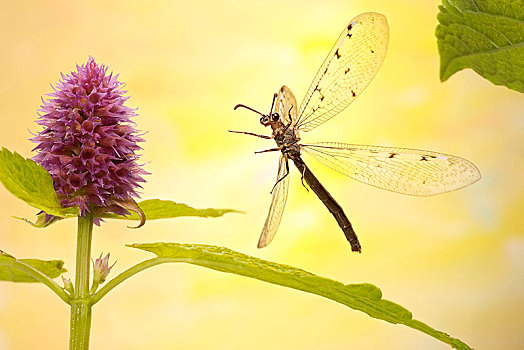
(403, 170)
(278, 203)
(348, 68)
(286, 106)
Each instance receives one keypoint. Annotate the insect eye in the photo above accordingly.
(275, 117)
(264, 120)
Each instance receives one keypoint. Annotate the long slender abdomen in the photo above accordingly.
(330, 203)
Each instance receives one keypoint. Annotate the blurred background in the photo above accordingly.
(455, 260)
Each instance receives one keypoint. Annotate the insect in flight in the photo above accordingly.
(351, 64)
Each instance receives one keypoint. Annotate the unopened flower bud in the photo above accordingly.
(68, 285)
(101, 269)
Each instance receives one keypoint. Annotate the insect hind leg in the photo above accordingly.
(282, 178)
(302, 176)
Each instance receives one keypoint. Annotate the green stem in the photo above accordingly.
(40, 277)
(80, 302)
(126, 274)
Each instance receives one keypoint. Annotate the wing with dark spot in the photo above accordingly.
(403, 170)
(349, 67)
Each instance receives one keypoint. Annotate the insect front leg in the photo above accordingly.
(252, 134)
(290, 119)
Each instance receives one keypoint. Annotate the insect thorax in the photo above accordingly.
(288, 140)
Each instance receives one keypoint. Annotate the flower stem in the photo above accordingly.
(40, 277)
(128, 273)
(80, 303)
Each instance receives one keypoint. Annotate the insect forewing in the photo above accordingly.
(349, 67)
(403, 170)
(278, 203)
(286, 106)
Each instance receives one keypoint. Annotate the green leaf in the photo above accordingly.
(485, 35)
(164, 209)
(362, 297)
(31, 183)
(13, 270)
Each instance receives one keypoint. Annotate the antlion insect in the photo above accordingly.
(351, 64)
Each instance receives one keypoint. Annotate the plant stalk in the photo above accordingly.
(80, 325)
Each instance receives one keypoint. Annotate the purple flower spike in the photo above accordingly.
(89, 144)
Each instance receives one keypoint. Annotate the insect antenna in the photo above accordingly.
(272, 104)
(247, 107)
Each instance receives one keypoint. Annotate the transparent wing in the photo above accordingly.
(403, 170)
(348, 68)
(286, 106)
(278, 203)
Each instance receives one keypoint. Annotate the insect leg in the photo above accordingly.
(290, 120)
(292, 143)
(270, 150)
(302, 175)
(282, 178)
(252, 134)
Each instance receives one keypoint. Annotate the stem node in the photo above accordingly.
(81, 302)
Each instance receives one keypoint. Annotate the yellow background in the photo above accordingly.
(455, 260)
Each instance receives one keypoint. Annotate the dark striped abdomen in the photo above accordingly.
(330, 203)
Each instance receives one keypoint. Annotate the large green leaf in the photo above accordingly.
(31, 183)
(164, 209)
(363, 297)
(485, 35)
(16, 270)
(152, 208)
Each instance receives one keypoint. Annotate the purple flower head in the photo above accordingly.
(88, 143)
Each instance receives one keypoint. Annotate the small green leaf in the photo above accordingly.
(164, 209)
(363, 297)
(485, 35)
(10, 268)
(31, 183)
